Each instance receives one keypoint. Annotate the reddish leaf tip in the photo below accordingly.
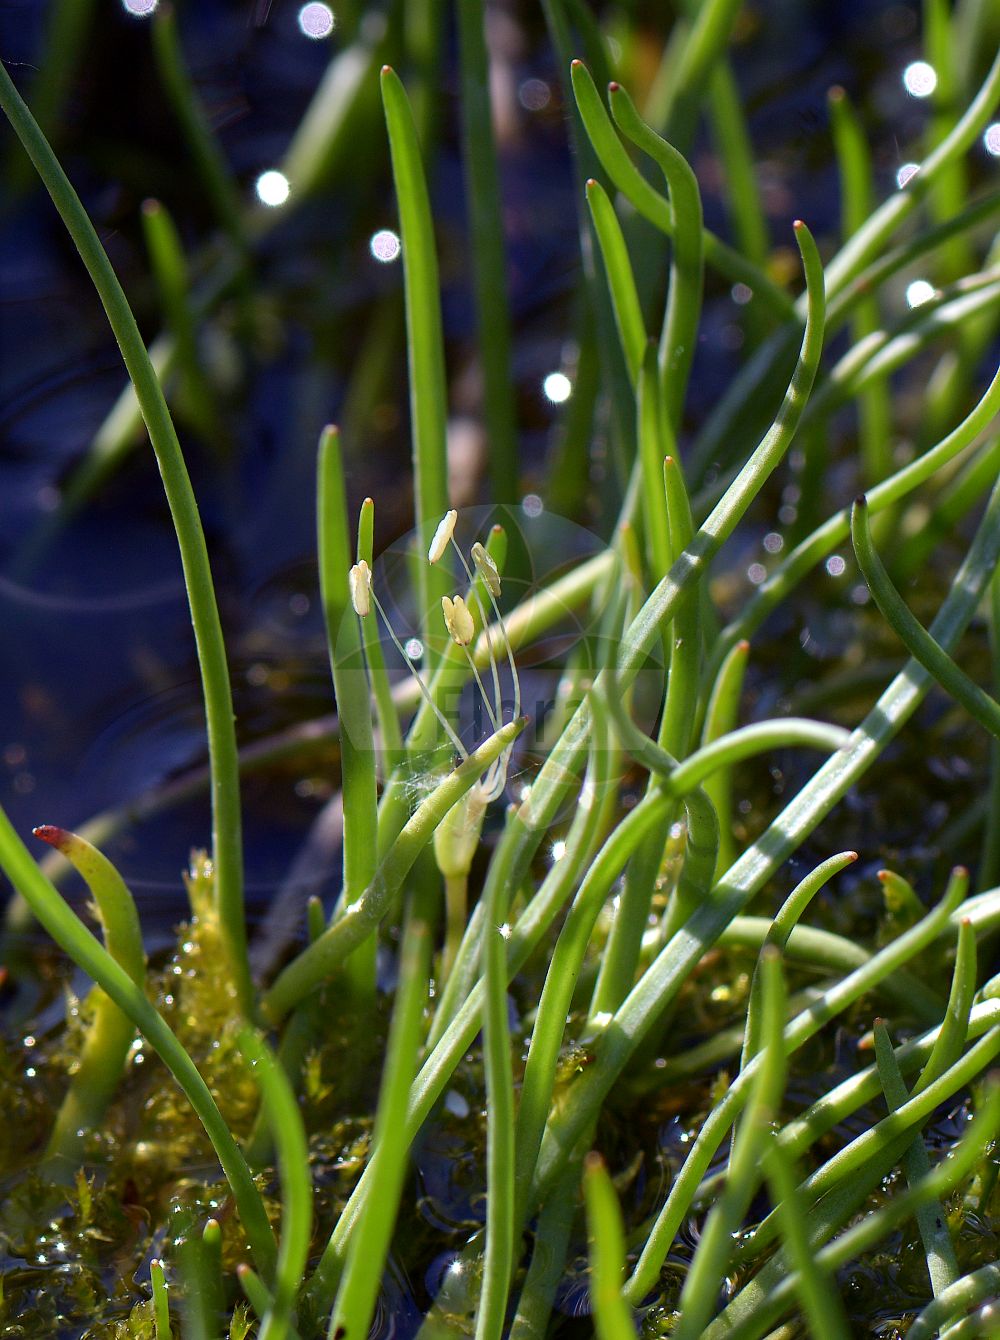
(50, 833)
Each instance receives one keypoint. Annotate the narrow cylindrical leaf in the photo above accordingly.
(424, 337)
(612, 1315)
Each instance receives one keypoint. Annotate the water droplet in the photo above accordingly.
(906, 173)
(991, 139)
(273, 188)
(741, 294)
(385, 246)
(139, 9)
(557, 387)
(757, 573)
(414, 648)
(919, 292)
(835, 565)
(773, 542)
(920, 79)
(316, 20)
(532, 505)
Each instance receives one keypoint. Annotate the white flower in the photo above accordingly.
(458, 620)
(360, 581)
(487, 569)
(442, 536)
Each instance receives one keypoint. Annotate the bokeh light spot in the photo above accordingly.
(273, 188)
(385, 246)
(920, 79)
(316, 20)
(557, 387)
(919, 292)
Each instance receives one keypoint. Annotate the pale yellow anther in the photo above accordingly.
(458, 620)
(487, 569)
(442, 536)
(360, 582)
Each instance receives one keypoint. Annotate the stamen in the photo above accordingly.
(458, 620)
(360, 581)
(444, 533)
(497, 713)
(461, 625)
(425, 692)
(487, 569)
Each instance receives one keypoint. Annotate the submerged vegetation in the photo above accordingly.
(614, 1024)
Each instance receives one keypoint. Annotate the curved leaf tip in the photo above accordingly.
(60, 838)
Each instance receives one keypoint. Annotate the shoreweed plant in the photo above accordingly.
(590, 943)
